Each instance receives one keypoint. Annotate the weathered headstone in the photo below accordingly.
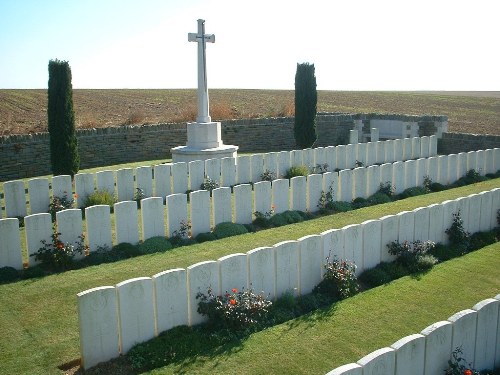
(171, 305)
(126, 224)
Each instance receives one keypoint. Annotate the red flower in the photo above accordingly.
(232, 302)
(60, 245)
(235, 290)
(467, 372)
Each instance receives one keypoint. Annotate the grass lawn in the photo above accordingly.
(38, 319)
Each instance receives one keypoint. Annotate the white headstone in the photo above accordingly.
(61, 186)
(425, 147)
(171, 307)
(379, 362)
(243, 204)
(390, 232)
(125, 184)
(433, 145)
(38, 227)
(308, 158)
(449, 208)
(144, 180)
(257, 167)
(10, 251)
(233, 273)
(474, 214)
(371, 153)
(486, 212)
(373, 179)
(311, 262)
(126, 222)
(200, 212)
(374, 135)
(349, 369)
(380, 152)
(389, 151)
(490, 161)
(407, 152)
(398, 177)
(480, 162)
(353, 136)
(179, 173)
(422, 221)
(280, 192)
(15, 199)
(283, 163)
(84, 186)
(398, 150)
(436, 229)
(386, 173)
(433, 169)
(410, 355)
(345, 185)
(350, 155)
(69, 224)
(287, 267)
(486, 336)
(361, 154)
(341, 157)
(228, 171)
(415, 147)
(243, 167)
(314, 189)
(443, 169)
(437, 347)
(422, 171)
(106, 181)
(201, 276)
(177, 213)
(463, 207)
(212, 170)
(298, 192)
(38, 189)
(372, 243)
(296, 158)
(262, 271)
(271, 162)
(136, 310)
(153, 217)
(464, 333)
(333, 245)
(452, 168)
(263, 196)
(461, 164)
(320, 156)
(360, 183)
(221, 205)
(353, 245)
(98, 227)
(406, 226)
(98, 323)
(163, 180)
(196, 170)
(410, 173)
(331, 157)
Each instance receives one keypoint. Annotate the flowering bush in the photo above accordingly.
(326, 201)
(58, 255)
(60, 203)
(458, 366)
(413, 255)
(209, 184)
(236, 310)
(268, 175)
(339, 279)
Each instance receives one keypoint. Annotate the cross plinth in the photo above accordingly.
(203, 136)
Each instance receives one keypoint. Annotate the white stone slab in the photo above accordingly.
(486, 336)
(163, 180)
(485, 219)
(283, 163)
(126, 222)
(280, 195)
(38, 189)
(433, 145)
(410, 173)
(398, 150)
(69, 224)
(243, 167)
(461, 164)
(390, 233)
(443, 169)
(379, 362)
(374, 134)
(372, 243)
(410, 355)
(221, 205)
(425, 146)
(422, 223)
(233, 273)
(228, 171)
(345, 185)
(196, 169)
(125, 184)
(386, 171)
(311, 262)
(349, 369)
(105, 180)
(144, 180)
(298, 193)
(353, 136)
(433, 168)
(171, 303)
(180, 183)
(153, 217)
(496, 158)
(350, 155)
(263, 196)
(176, 213)
(10, 249)
(371, 153)
(38, 227)
(201, 276)
(84, 186)
(464, 333)
(474, 214)
(331, 158)
(353, 245)
(398, 177)
(407, 153)
(98, 324)
(436, 229)
(320, 156)
(480, 162)
(453, 168)
(341, 157)
(136, 311)
(360, 186)
(463, 207)
(14, 198)
(389, 151)
(489, 161)
(212, 170)
(257, 167)
(262, 271)
(406, 226)
(422, 171)
(373, 179)
(333, 245)
(98, 227)
(200, 212)
(495, 206)
(271, 162)
(437, 347)
(361, 154)
(296, 158)
(287, 267)
(471, 160)
(415, 147)
(243, 204)
(314, 189)
(62, 186)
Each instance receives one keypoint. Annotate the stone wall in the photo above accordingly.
(453, 143)
(28, 155)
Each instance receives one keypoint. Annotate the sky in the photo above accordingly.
(353, 44)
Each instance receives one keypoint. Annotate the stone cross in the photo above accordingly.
(201, 38)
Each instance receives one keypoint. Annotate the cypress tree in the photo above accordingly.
(306, 99)
(64, 156)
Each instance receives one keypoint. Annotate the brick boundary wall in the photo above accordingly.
(29, 155)
(453, 143)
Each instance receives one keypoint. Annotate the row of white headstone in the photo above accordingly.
(475, 331)
(112, 319)
(165, 179)
(298, 193)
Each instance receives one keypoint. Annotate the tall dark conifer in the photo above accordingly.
(306, 99)
(64, 156)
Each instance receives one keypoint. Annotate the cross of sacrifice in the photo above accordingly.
(201, 38)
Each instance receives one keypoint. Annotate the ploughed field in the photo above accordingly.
(25, 111)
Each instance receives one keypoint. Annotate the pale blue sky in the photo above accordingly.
(355, 44)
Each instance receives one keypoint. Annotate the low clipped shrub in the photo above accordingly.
(339, 279)
(341, 206)
(395, 270)
(425, 262)
(292, 216)
(8, 274)
(379, 198)
(479, 240)
(375, 276)
(205, 237)
(386, 188)
(33, 272)
(457, 235)
(155, 245)
(300, 170)
(228, 229)
(360, 203)
(436, 186)
(127, 249)
(413, 192)
(100, 197)
(261, 222)
(278, 220)
(443, 252)
(414, 255)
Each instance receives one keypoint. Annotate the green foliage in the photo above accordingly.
(339, 279)
(436, 186)
(413, 192)
(375, 276)
(64, 156)
(386, 188)
(300, 170)
(415, 255)
(457, 365)
(60, 203)
(155, 245)
(100, 197)
(8, 274)
(341, 206)
(360, 203)
(457, 235)
(228, 229)
(479, 240)
(292, 216)
(306, 99)
(268, 175)
(205, 237)
(234, 310)
(326, 200)
(209, 184)
(379, 198)
(443, 253)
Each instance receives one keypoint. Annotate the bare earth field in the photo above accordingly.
(25, 111)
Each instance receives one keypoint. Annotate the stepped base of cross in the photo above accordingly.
(204, 142)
